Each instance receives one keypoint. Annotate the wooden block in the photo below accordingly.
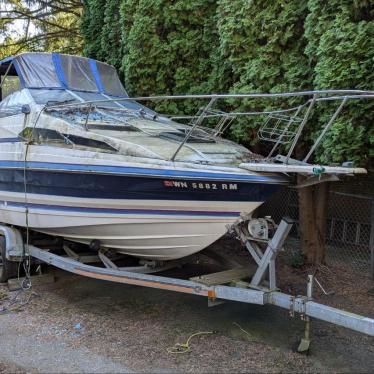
(226, 276)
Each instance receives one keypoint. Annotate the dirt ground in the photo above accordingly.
(83, 325)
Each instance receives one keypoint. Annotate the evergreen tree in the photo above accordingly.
(111, 42)
(262, 43)
(167, 47)
(127, 12)
(145, 61)
(92, 25)
(340, 48)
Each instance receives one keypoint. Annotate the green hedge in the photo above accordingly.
(204, 46)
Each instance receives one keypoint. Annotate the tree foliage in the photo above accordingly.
(263, 45)
(92, 28)
(36, 25)
(167, 47)
(340, 49)
(111, 45)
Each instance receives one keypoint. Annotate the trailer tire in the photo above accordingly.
(8, 269)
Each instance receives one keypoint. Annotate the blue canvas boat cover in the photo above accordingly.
(61, 71)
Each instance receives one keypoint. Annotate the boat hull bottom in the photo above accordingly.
(159, 230)
(148, 240)
(155, 237)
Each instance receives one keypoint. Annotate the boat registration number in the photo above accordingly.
(201, 185)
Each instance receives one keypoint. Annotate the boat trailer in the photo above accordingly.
(216, 287)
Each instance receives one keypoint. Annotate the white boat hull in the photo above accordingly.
(176, 230)
(148, 211)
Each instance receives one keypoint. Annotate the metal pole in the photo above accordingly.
(324, 131)
(350, 94)
(305, 119)
(197, 123)
(88, 114)
(271, 252)
(5, 75)
(284, 131)
(305, 342)
(372, 240)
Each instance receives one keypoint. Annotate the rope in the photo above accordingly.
(26, 257)
(180, 348)
(16, 303)
(249, 336)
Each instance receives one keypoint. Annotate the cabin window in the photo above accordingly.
(48, 136)
(91, 143)
(13, 103)
(43, 135)
(10, 84)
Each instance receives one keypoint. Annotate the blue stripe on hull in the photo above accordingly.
(122, 211)
(108, 186)
(10, 140)
(136, 171)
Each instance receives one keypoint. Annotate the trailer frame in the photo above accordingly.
(256, 292)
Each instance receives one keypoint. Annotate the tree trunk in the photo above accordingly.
(312, 218)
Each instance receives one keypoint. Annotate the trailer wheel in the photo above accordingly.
(8, 269)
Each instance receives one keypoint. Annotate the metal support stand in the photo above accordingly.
(146, 266)
(305, 341)
(266, 260)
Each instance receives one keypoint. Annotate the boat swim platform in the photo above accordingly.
(218, 287)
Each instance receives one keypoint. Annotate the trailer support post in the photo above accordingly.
(267, 262)
(305, 341)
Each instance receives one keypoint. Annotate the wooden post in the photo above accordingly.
(321, 195)
(312, 217)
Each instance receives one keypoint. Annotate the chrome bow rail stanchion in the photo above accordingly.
(194, 124)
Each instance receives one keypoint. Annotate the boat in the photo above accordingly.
(81, 160)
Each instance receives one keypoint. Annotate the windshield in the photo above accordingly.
(55, 97)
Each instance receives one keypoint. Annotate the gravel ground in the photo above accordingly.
(84, 325)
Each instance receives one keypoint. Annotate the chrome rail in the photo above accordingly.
(207, 112)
